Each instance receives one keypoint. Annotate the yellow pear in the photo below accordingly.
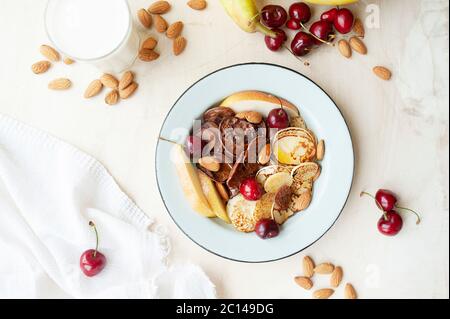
(213, 197)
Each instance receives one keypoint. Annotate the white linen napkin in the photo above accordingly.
(49, 191)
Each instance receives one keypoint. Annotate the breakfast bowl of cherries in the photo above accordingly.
(250, 169)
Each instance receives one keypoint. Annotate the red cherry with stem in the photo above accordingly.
(322, 30)
(267, 228)
(329, 15)
(273, 16)
(278, 119)
(274, 44)
(92, 261)
(302, 43)
(343, 22)
(293, 24)
(387, 201)
(390, 224)
(300, 11)
(251, 190)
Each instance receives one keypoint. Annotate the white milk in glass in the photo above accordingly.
(100, 32)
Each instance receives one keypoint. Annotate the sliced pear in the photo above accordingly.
(190, 182)
(213, 197)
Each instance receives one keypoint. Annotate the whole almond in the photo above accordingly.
(350, 292)
(358, 28)
(60, 84)
(264, 155)
(112, 98)
(148, 55)
(210, 163)
(50, 53)
(358, 45)
(344, 48)
(161, 24)
(145, 18)
(150, 43)
(321, 150)
(159, 7)
(308, 266)
(336, 277)
(179, 44)
(94, 88)
(175, 30)
(109, 81)
(126, 80)
(197, 4)
(41, 67)
(304, 282)
(382, 72)
(324, 269)
(68, 61)
(128, 91)
(323, 293)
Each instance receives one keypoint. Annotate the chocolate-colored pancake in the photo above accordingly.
(218, 114)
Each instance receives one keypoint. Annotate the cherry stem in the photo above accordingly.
(167, 140)
(376, 201)
(96, 237)
(412, 211)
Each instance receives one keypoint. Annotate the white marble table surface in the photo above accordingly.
(400, 131)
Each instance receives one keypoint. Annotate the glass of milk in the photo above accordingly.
(99, 32)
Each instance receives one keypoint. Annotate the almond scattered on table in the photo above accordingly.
(358, 45)
(94, 89)
(147, 55)
(174, 30)
(126, 79)
(324, 269)
(344, 48)
(150, 43)
(145, 18)
(323, 293)
(179, 45)
(358, 28)
(60, 84)
(128, 91)
(336, 277)
(308, 266)
(159, 7)
(350, 292)
(304, 282)
(41, 67)
(110, 81)
(382, 72)
(50, 53)
(197, 4)
(112, 98)
(161, 24)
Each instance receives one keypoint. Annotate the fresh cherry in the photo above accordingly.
(273, 16)
(386, 199)
(278, 119)
(343, 22)
(300, 11)
(194, 146)
(329, 15)
(251, 190)
(92, 261)
(302, 43)
(390, 224)
(267, 228)
(323, 30)
(274, 44)
(293, 24)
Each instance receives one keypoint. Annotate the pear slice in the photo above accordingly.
(190, 182)
(213, 197)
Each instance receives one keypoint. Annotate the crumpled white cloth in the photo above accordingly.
(49, 191)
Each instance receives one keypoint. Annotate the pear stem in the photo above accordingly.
(167, 140)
